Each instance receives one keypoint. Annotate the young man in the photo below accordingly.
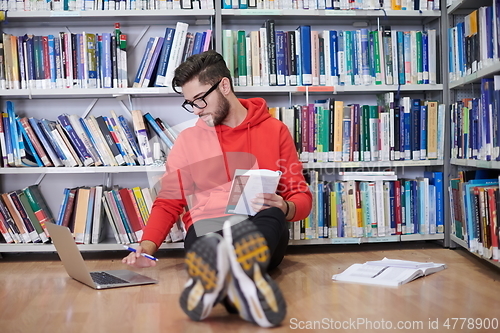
(226, 255)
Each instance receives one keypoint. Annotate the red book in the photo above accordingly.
(397, 206)
(46, 59)
(135, 224)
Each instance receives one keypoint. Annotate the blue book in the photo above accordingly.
(142, 66)
(198, 43)
(158, 130)
(423, 132)
(474, 126)
(227, 4)
(365, 57)
(436, 179)
(462, 62)
(47, 126)
(392, 211)
(164, 54)
(339, 188)
(106, 65)
(52, 61)
(89, 220)
(75, 140)
(86, 129)
(425, 58)
(333, 57)
(401, 57)
(356, 56)
(14, 134)
(109, 122)
(123, 215)
(414, 224)
(153, 63)
(31, 157)
(131, 139)
(30, 61)
(43, 140)
(305, 54)
(415, 129)
(280, 58)
(486, 107)
(451, 51)
(64, 204)
(320, 206)
(9, 159)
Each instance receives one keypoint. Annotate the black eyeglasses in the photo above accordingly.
(199, 102)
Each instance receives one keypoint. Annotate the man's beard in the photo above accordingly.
(220, 115)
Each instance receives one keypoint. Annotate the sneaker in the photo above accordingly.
(252, 291)
(208, 267)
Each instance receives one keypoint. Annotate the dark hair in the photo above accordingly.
(208, 66)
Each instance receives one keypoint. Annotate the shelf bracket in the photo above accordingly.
(123, 105)
(140, 36)
(40, 178)
(89, 108)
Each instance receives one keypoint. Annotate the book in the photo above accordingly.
(246, 185)
(387, 272)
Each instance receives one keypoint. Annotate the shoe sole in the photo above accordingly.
(207, 266)
(254, 293)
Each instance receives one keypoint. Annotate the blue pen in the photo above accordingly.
(145, 255)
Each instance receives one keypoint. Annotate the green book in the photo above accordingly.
(376, 58)
(31, 216)
(241, 69)
(420, 67)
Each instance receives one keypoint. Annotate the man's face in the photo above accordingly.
(214, 105)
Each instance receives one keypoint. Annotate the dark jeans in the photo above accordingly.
(270, 222)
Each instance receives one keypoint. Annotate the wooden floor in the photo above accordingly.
(36, 295)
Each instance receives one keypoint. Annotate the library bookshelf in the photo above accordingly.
(472, 88)
(141, 24)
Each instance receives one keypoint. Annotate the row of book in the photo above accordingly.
(162, 55)
(75, 141)
(332, 131)
(270, 56)
(474, 43)
(332, 4)
(89, 60)
(66, 60)
(475, 124)
(474, 203)
(373, 204)
(84, 211)
(23, 216)
(90, 5)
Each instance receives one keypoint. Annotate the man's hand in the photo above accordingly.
(135, 259)
(265, 200)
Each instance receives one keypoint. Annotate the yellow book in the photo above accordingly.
(396, 4)
(333, 213)
(141, 203)
(337, 131)
(81, 207)
(432, 120)
(15, 62)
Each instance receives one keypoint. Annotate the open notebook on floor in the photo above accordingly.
(387, 272)
(75, 265)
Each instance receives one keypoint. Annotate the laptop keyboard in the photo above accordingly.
(105, 278)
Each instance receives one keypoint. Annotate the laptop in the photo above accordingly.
(75, 265)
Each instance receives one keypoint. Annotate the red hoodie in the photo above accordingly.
(201, 165)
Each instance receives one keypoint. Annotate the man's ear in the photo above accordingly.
(225, 86)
